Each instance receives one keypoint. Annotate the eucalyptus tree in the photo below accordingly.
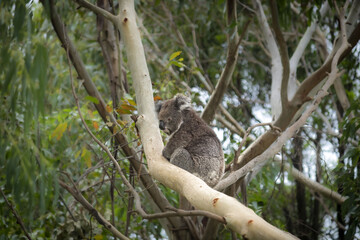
(80, 136)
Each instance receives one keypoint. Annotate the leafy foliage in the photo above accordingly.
(43, 140)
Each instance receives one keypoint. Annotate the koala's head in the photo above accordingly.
(169, 113)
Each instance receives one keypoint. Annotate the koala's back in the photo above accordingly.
(203, 145)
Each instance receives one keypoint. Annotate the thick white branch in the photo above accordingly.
(239, 218)
(276, 67)
(294, 60)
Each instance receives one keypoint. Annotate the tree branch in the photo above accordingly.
(196, 63)
(16, 215)
(231, 60)
(148, 183)
(136, 196)
(330, 130)
(283, 54)
(80, 198)
(200, 195)
(276, 67)
(314, 79)
(97, 10)
(317, 187)
(261, 159)
(237, 153)
(299, 51)
(264, 141)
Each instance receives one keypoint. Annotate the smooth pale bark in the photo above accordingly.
(299, 51)
(239, 218)
(315, 186)
(276, 67)
(261, 159)
(157, 198)
(302, 94)
(284, 55)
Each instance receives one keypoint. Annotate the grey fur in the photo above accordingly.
(193, 145)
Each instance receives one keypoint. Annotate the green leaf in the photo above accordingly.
(19, 18)
(132, 102)
(174, 55)
(178, 64)
(9, 76)
(92, 99)
(86, 156)
(59, 131)
(220, 38)
(41, 60)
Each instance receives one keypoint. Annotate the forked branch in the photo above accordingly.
(283, 54)
(109, 16)
(280, 141)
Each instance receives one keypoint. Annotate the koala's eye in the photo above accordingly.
(169, 119)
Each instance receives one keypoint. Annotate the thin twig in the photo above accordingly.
(327, 210)
(16, 215)
(80, 198)
(67, 208)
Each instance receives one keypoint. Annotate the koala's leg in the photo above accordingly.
(182, 158)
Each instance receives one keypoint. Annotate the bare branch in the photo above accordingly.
(276, 67)
(228, 124)
(109, 16)
(127, 183)
(231, 60)
(283, 54)
(301, 96)
(196, 191)
(232, 120)
(261, 159)
(299, 51)
(315, 186)
(16, 215)
(237, 153)
(155, 195)
(80, 198)
(314, 79)
(180, 212)
(330, 213)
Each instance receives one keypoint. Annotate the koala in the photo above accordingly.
(193, 145)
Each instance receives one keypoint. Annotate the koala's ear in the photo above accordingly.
(158, 106)
(182, 102)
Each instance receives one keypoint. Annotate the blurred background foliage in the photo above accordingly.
(42, 138)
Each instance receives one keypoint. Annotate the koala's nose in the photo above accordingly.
(161, 125)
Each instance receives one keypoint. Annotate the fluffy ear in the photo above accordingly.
(158, 105)
(182, 102)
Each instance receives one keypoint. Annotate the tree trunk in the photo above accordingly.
(315, 216)
(297, 159)
(239, 218)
